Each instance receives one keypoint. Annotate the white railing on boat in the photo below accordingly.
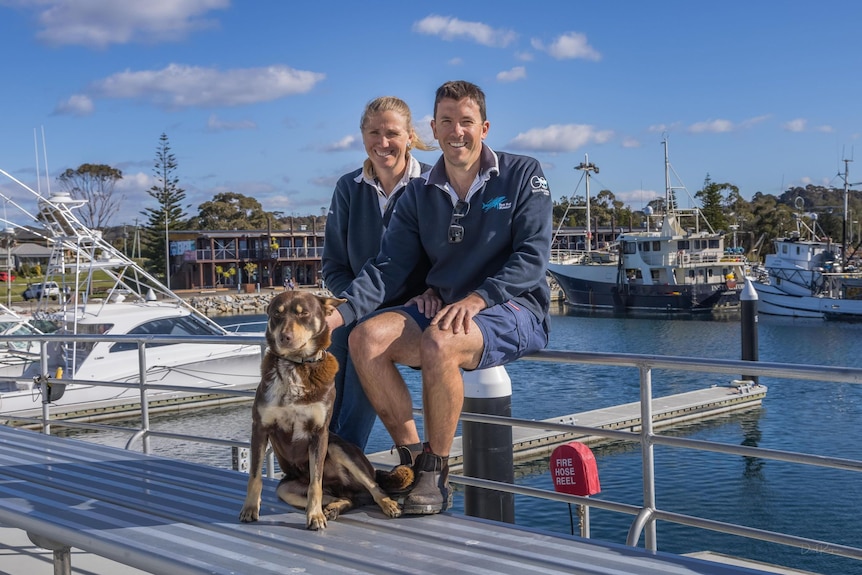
(645, 515)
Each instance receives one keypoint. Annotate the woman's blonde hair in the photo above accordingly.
(393, 104)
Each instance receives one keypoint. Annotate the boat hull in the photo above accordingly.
(199, 383)
(591, 287)
(774, 301)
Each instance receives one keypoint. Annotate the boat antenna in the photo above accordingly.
(38, 171)
(587, 167)
(47, 172)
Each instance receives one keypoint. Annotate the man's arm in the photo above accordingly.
(532, 231)
(383, 277)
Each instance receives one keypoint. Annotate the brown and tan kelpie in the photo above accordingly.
(323, 473)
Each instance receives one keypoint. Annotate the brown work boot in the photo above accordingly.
(431, 492)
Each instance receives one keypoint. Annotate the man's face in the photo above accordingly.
(459, 130)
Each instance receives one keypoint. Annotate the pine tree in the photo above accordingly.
(170, 213)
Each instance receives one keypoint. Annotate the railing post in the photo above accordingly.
(487, 448)
(145, 408)
(648, 456)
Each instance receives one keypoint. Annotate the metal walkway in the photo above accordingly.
(167, 516)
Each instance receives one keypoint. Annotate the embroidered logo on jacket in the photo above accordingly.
(497, 203)
(539, 185)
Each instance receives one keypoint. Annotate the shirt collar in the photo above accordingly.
(414, 169)
(489, 164)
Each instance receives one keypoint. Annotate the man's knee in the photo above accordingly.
(370, 336)
(439, 346)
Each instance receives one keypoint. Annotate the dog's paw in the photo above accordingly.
(315, 521)
(390, 507)
(249, 514)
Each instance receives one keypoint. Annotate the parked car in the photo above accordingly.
(7, 276)
(34, 291)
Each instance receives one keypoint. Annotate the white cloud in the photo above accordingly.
(513, 75)
(711, 126)
(723, 126)
(751, 122)
(423, 128)
(801, 125)
(560, 138)
(569, 46)
(75, 105)
(630, 142)
(345, 143)
(214, 124)
(797, 125)
(454, 29)
(100, 23)
(456, 61)
(179, 86)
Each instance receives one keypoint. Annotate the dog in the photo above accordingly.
(292, 408)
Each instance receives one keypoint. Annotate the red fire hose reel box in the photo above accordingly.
(574, 470)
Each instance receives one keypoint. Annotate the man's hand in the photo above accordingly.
(427, 302)
(460, 314)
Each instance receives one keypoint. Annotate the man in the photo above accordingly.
(483, 219)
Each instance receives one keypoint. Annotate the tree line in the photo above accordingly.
(96, 183)
(756, 222)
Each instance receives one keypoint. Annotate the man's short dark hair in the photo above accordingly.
(458, 90)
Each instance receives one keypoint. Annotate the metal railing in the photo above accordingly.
(645, 515)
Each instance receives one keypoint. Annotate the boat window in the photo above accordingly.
(186, 325)
(709, 272)
(691, 273)
(656, 246)
(683, 245)
(644, 247)
(630, 248)
(715, 244)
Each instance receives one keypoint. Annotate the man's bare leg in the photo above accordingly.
(443, 354)
(376, 346)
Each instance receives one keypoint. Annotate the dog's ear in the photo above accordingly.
(329, 303)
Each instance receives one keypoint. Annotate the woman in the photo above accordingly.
(361, 206)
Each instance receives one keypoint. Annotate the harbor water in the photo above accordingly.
(807, 416)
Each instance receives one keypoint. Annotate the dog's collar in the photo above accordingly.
(312, 359)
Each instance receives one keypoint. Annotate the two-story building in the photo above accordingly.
(203, 259)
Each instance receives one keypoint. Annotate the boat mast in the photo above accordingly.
(668, 189)
(847, 184)
(587, 167)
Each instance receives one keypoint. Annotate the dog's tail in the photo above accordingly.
(397, 481)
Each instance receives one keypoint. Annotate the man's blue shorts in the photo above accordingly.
(508, 331)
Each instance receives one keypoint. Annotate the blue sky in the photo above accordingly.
(264, 97)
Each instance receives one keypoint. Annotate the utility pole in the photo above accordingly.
(587, 167)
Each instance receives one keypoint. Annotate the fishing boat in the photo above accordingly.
(806, 277)
(105, 292)
(681, 266)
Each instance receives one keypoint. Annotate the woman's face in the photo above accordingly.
(386, 137)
